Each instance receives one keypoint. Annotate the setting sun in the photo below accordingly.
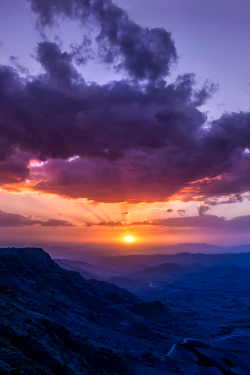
(129, 239)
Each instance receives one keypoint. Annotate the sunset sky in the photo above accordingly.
(124, 118)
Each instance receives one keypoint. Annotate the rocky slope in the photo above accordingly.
(53, 321)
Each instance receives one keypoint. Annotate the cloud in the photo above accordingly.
(13, 163)
(202, 209)
(141, 52)
(169, 210)
(17, 220)
(14, 60)
(58, 116)
(229, 200)
(182, 212)
(56, 223)
(139, 139)
(58, 65)
(126, 213)
(236, 224)
(106, 224)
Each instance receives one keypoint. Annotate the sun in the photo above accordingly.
(129, 239)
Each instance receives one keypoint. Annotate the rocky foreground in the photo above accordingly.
(53, 321)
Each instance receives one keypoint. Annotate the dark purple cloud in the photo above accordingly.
(140, 52)
(56, 223)
(139, 139)
(237, 224)
(13, 165)
(202, 209)
(231, 199)
(139, 144)
(106, 224)
(234, 179)
(17, 220)
(169, 210)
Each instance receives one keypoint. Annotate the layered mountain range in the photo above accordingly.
(54, 321)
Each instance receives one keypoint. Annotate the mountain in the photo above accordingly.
(82, 253)
(112, 288)
(152, 310)
(163, 268)
(82, 265)
(86, 274)
(53, 321)
(198, 248)
(184, 258)
(123, 281)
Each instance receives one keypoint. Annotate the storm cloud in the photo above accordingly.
(142, 53)
(138, 139)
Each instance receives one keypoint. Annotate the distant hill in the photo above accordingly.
(112, 288)
(163, 268)
(86, 274)
(82, 253)
(198, 248)
(183, 258)
(80, 264)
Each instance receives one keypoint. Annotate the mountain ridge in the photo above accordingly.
(53, 321)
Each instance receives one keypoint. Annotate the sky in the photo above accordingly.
(124, 118)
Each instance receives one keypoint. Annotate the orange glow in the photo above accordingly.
(36, 163)
(21, 199)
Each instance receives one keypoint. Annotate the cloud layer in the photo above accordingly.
(11, 220)
(216, 223)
